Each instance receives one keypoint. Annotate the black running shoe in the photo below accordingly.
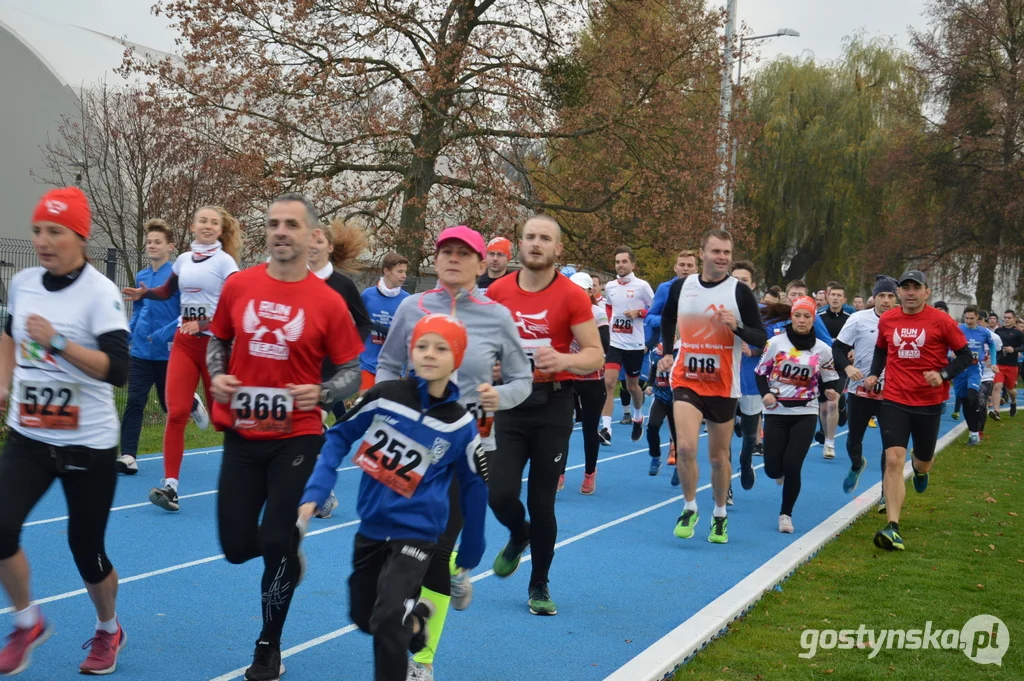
(728, 500)
(1013, 408)
(759, 449)
(626, 419)
(266, 662)
(638, 430)
(423, 611)
(994, 415)
(819, 437)
(747, 475)
(606, 437)
(165, 497)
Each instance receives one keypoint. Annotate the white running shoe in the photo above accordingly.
(785, 524)
(329, 505)
(200, 415)
(462, 590)
(419, 672)
(126, 464)
(830, 452)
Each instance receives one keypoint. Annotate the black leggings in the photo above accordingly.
(539, 434)
(971, 404)
(268, 476)
(983, 398)
(749, 424)
(27, 469)
(438, 576)
(860, 411)
(786, 441)
(624, 397)
(659, 413)
(591, 396)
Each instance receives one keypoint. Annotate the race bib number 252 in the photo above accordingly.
(392, 459)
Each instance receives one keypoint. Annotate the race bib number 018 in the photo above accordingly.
(193, 313)
(392, 459)
(52, 405)
(262, 410)
(702, 367)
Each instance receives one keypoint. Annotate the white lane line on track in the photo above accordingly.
(337, 633)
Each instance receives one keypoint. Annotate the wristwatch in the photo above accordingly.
(58, 344)
(944, 374)
(325, 396)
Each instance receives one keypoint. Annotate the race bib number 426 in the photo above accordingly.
(392, 459)
(262, 410)
(48, 404)
(622, 325)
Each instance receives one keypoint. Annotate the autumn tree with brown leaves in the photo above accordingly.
(416, 115)
(130, 153)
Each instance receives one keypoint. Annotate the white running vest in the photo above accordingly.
(200, 283)
(710, 353)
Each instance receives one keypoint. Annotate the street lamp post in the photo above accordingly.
(739, 81)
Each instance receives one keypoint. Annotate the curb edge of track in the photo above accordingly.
(672, 651)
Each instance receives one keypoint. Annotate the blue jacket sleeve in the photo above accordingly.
(340, 439)
(136, 312)
(473, 499)
(653, 317)
(165, 334)
(821, 331)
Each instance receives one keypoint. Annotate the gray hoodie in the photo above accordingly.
(493, 338)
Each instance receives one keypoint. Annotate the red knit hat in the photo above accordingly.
(67, 207)
(500, 244)
(449, 328)
(804, 303)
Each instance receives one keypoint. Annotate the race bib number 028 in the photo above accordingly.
(262, 410)
(52, 405)
(392, 459)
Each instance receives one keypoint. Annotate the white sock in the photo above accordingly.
(638, 413)
(606, 422)
(27, 618)
(110, 626)
(172, 483)
(719, 511)
(690, 505)
(830, 443)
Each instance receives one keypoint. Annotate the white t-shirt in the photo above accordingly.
(621, 295)
(861, 332)
(796, 374)
(48, 390)
(988, 374)
(200, 283)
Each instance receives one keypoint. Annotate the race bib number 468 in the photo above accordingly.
(262, 410)
(392, 459)
(52, 405)
(193, 313)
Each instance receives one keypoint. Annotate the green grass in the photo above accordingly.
(964, 557)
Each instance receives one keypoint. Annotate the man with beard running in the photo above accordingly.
(714, 315)
(550, 312)
(628, 299)
(911, 348)
(274, 326)
(860, 335)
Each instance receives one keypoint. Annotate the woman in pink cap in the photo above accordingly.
(65, 345)
(493, 339)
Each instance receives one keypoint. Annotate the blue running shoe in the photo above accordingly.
(655, 466)
(853, 477)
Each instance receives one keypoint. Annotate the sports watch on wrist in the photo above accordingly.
(325, 396)
(58, 344)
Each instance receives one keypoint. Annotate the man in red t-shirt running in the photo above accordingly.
(273, 328)
(912, 345)
(550, 312)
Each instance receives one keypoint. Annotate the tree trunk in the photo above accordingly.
(985, 288)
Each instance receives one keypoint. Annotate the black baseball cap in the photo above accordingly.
(915, 276)
(941, 305)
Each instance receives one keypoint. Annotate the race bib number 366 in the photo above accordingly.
(392, 459)
(48, 404)
(262, 410)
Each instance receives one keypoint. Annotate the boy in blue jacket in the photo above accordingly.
(413, 436)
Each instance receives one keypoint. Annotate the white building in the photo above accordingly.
(46, 66)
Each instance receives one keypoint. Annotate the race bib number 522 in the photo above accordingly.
(262, 410)
(392, 459)
(52, 405)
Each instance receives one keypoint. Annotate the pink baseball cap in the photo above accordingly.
(468, 236)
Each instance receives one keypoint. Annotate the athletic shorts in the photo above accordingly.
(900, 423)
(366, 380)
(630, 360)
(751, 405)
(968, 380)
(1007, 375)
(714, 409)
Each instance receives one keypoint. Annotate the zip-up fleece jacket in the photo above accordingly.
(154, 322)
(493, 338)
(405, 436)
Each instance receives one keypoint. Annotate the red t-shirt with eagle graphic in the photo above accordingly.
(916, 343)
(282, 331)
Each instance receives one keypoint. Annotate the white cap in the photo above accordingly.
(583, 280)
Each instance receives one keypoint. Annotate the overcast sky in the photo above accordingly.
(821, 23)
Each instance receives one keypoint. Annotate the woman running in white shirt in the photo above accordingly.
(199, 275)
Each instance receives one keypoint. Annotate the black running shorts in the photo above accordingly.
(714, 409)
(900, 423)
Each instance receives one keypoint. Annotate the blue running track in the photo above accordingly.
(620, 578)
